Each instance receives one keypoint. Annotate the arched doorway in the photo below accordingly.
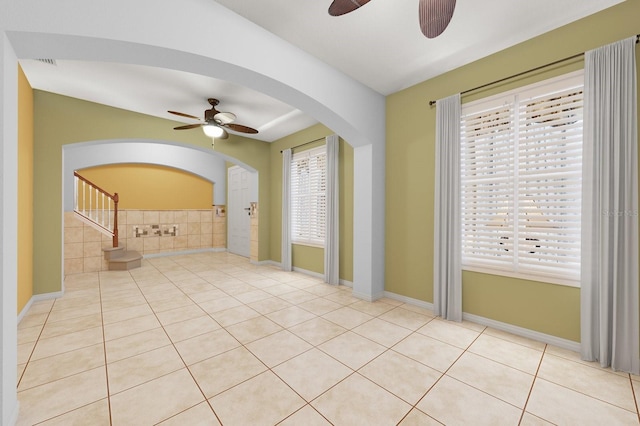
(41, 29)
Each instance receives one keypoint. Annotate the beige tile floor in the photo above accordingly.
(208, 339)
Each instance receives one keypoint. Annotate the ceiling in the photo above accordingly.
(379, 44)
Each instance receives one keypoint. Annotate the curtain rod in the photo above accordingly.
(306, 143)
(431, 103)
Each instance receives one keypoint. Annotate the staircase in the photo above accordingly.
(99, 209)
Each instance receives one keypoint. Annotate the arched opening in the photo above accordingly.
(200, 231)
(202, 162)
(268, 64)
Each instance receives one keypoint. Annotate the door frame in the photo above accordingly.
(251, 190)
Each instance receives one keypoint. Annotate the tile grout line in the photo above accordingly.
(155, 314)
(54, 380)
(221, 327)
(26, 364)
(413, 331)
(353, 371)
(300, 409)
(387, 349)
(545, 351)
(271, 369)
(633, 393)
(415, 406)
(524, 408)
(583, 393)
(103, 333)
(104, 348)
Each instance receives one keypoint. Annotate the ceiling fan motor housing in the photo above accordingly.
(215, 118)
(209, 114)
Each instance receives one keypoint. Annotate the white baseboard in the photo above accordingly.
(13, 419)
(310, 273)
(181, 252)
(498, 325)
(409, 300)
(37, 298)
(24, 310)
(367, 297)
(266, 263)
(320, 276)
(302, 271)
(346, 283)
(524, 332)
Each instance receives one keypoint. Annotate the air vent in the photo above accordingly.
(48, 61)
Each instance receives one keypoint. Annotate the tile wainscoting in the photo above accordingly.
(145, 231)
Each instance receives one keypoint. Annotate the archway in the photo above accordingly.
(207, 164)
(42, 29)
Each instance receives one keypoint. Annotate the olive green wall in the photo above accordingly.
(25, 191)
(62, 120)
(305, 257)
(151, 187)
(546, 308)
(308, 258)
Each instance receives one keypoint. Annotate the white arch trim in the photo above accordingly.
(205, 163)
(159, 33)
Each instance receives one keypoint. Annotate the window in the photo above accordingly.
(521, 170)
(308, 196)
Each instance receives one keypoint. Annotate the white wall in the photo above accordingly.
(8, 230)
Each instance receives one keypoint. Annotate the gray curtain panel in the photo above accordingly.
(609, 264)
(332, 232)
(447, 265)
(285, 252)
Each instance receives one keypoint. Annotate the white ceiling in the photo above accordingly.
(154, 91)
(379, 44)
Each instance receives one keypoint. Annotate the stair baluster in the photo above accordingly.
(94, 212)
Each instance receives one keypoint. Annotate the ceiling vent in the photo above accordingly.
(48, 61)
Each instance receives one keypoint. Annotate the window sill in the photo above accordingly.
(537, 278)
(307, 244)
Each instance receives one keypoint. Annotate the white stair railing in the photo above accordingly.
(96, 206)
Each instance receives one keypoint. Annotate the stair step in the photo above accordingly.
(127, 260)
(113, 252)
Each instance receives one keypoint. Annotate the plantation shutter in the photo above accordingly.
(550, 183)
(308, 196)
(487, 184)
(521, 181)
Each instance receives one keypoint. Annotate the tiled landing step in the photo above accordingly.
(122, 260)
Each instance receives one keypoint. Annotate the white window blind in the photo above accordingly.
(308, 196)
(521, 181)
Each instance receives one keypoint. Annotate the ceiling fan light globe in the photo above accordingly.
(212, 131)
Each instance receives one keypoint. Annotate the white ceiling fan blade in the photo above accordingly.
(225, 117)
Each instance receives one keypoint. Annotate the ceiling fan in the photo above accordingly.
(434, 15)
(215, 122)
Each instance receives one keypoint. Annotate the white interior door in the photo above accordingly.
(238, 220)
